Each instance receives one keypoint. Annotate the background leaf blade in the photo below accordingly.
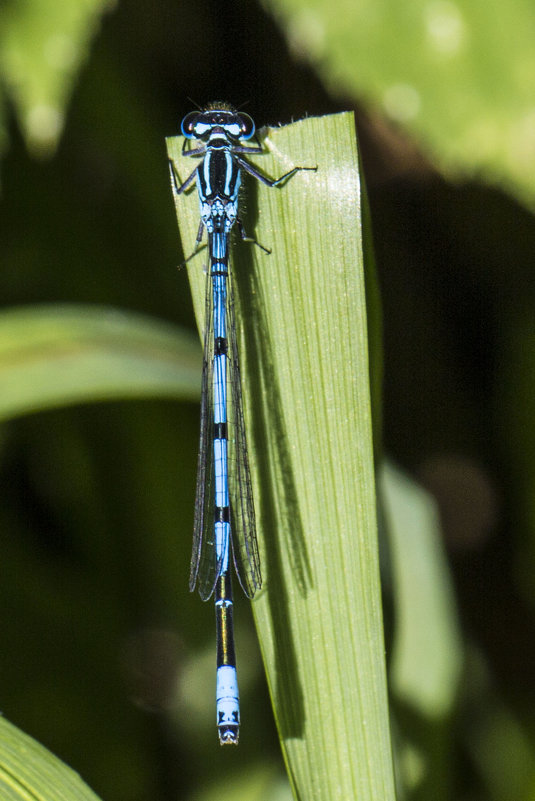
(54, 356)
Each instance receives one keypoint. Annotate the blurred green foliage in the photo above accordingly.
(458, 74)
(42, 46)
(104, 653)
(58, 355)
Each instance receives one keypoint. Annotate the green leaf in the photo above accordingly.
(304, 358)
(427, 653)
(42, 45)
(458, 75)
(53, 356)
(28, 772)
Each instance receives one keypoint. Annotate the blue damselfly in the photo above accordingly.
(223, 477)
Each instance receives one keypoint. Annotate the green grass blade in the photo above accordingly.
(427, 652)
(28, 772)
(53, 356)
(304, 357)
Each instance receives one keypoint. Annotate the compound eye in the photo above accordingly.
(188, 124)
(247, 126)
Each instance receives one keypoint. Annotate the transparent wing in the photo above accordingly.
(204, 569)
(242, 513)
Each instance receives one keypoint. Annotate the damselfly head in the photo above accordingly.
(218, 119)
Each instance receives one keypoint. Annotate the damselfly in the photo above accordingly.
(223, 477)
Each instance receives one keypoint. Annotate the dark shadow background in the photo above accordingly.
(97, 501)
